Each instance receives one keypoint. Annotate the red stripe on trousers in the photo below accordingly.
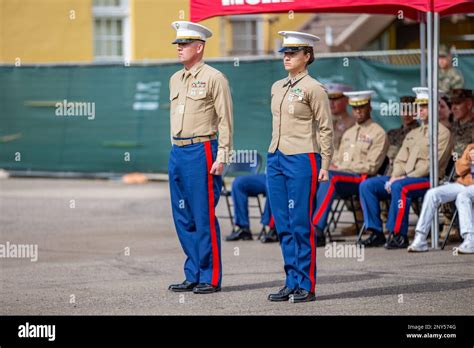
(271, 224)
(212, 217)
(401, 210)
(332, 182)
(314, 181)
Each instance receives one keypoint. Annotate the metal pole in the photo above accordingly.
(429, 22)
(422, 50)
(434, 164)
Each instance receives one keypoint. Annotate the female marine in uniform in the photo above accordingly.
(299, 156)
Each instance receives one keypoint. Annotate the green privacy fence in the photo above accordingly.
(123, 124)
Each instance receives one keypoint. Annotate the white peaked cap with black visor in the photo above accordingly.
(294, 41)
(189, 32)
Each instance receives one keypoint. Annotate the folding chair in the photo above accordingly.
(335, 213)
(235, 169)
(451, 225)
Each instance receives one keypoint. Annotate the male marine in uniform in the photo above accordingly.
(397, 136)
(361, 153)
(201, 133)
(409, 180)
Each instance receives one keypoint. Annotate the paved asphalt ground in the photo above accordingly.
(82, 257)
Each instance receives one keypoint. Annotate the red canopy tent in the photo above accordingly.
(449, 7)
(414, 9)
(202, 9)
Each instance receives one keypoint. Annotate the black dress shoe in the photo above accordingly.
(205, 288)
(282, 295)
(270, 237)
(184, 286)
(240, 234)
(389, 240)
(376, 239)
(320, 238)
(397, 241)
(302, 295)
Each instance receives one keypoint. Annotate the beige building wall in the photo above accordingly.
(45, 31)
(49, 31)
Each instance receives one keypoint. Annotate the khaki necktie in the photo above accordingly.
(355, 155)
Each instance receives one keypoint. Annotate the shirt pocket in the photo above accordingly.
(174, 94)
(422, 156)
(301, 108)
(196, 101)
(402, 155)
(422, 159)
(364, 148)
(423, 151)
(347, 154)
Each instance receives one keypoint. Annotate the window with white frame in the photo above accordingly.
(111, 30)
(247, 35)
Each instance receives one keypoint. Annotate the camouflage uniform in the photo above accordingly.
(463, 135)
(450, 79)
